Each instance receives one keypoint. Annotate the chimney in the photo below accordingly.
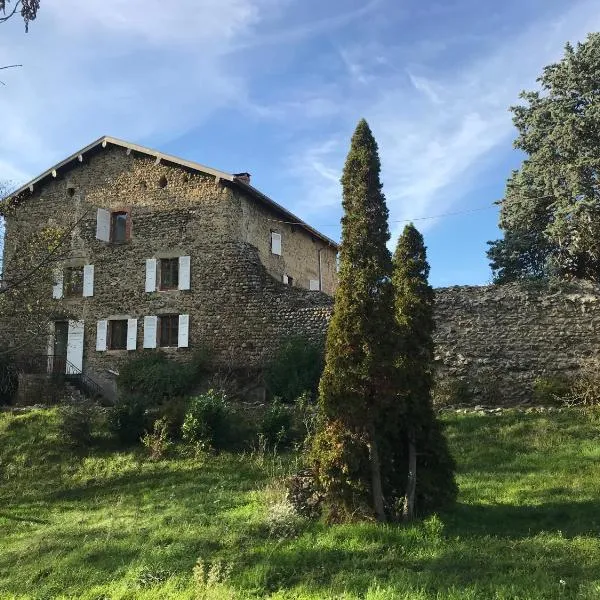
(243, 177)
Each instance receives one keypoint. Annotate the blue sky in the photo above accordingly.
(276, 87)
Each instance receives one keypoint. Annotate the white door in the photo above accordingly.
(75, 347)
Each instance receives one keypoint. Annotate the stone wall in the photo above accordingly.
(499, 339)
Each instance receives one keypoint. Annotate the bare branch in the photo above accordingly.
(10, 14)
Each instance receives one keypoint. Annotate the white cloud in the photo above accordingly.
(135, 69)
(435, 131)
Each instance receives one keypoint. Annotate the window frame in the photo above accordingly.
(110, 334)
(69, 290)
(173, 332)
(174, 266)
(114, 215)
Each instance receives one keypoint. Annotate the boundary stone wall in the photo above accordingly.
(499, 339)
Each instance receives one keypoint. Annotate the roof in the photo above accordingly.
(236, 181)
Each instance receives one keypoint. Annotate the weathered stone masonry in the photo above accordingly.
(238, 306)
(501, 338)
(497, 338)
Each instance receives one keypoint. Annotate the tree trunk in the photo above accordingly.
(378, 503)
(411, 484)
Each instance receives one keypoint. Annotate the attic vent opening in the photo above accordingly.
(162, 182)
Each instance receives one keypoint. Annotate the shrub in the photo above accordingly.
(76, 423)
(276, 425)
(157, 377)
(9, 379)
(295, 369)
(208, 421)
(157, 441)
(550, 390)
(303, 494)
(129, 418)
(173, 411)
(585, 389)
(282, 520)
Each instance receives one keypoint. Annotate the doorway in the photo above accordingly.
(61, 339)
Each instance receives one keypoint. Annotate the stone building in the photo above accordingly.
(168, 253)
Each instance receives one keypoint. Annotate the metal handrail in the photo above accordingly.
(59, 366)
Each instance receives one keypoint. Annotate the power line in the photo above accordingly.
(448, 214)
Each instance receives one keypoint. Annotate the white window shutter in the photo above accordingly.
(150, 274)
(88, 281)
(101, 331)
(75, 346)
(131, 334)
(313, 285)
(150, 331)
(103, 225)
(184, 272)
(57, 289)
(276, 243)
(285, 279)
(184, 331)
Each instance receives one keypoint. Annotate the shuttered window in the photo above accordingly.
(118, 227)
(73, 281)
(117, 334)
(168, 331)
(276, 243)
(169, 273)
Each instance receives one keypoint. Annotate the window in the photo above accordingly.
(119, 227)
(168, 331)
(73, 281)
(117, 334)
(169, 273)
(288, 280)
(276, 243)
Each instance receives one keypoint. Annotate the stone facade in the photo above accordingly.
(499, 339)
(239, 309)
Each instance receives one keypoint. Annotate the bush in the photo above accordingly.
(208, 421)
(276, 425)
(77, 421)
(295, 369)
(9, 379)
(157, 441)
(550, 390)
(129, 418)
(304, 495)
(585, 389)
(157, 377)
(173, 411)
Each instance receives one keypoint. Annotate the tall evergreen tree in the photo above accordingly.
(423, 464)
(358, 383)
(551, 213)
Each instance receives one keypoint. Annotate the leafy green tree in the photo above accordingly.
(551, 213)
(423, 464)
(358, 383)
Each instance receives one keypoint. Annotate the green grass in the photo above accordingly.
(110, 524)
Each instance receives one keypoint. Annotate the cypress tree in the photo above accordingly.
(358, 383)
(422, 459)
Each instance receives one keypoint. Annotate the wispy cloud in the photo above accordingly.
(435, 131)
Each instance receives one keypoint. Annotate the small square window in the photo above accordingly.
(119, 227)
(73, 281)
(169, 273)
(168, 331)
(117, 334)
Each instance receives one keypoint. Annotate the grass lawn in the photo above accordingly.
(110, 524)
